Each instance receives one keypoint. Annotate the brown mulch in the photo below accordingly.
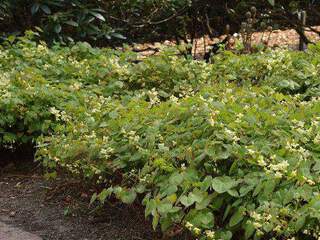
(278, 38)
(286, 38)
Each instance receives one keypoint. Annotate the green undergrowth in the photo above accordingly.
(228, 150)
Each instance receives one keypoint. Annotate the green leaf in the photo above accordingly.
(166, 223)
(258, 189)
(205, 202)
(233, 193)
(171, 189)
(186, 201)
(72, 23)
(104, 194)
(140, 188)
(267, 227)
(118, 35)
(269, 187)
(151, 206)
(99, 16)
(203, 218)
(46, 9)
(246, 189)
(223, 184)
(237, 217)
(191, 175)
(11, 38)
(155, 220)
(128, 197)
(164, 208)
(51, 175)
(93, 198)
(224, 235)
(113, 114)
(226, 212)
(299, 223)
(176, 178)
(272, 2)
(57, 28)
(35, 8)
(206, 183)
(195, 196)
(66, 211)
(249, 230)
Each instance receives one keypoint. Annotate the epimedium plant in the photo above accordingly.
(209, 162)
(228, 150)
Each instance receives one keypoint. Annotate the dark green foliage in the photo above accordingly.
(109, 22)
(60, 20)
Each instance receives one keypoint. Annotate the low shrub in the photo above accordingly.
(228, 150)
(288, 72)
(224, 162)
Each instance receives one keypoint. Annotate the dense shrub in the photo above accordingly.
(287, 72)
(227, 161)
(60, 20)
(226, 149)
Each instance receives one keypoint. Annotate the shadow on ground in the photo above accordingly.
(59, 209)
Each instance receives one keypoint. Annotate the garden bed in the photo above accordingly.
(216, 150)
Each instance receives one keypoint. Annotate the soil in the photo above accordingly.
(60, 210)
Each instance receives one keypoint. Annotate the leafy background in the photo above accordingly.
(112, 22)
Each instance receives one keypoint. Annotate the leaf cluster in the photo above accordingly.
(228, 150)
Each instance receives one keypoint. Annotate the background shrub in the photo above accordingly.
(107, 22)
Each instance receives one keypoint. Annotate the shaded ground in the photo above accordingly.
(60, 210)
